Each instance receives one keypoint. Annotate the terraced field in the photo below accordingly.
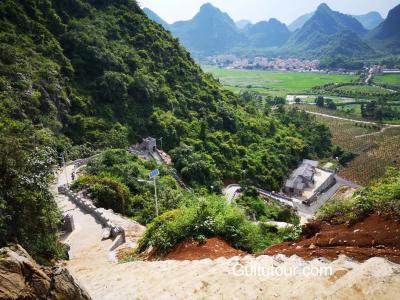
(374, 152)
(363, 90)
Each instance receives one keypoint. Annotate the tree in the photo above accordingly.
(330, 104)
(320, 101)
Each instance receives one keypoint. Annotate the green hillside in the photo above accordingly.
(386, 37)
(78, 76)
(329, 33)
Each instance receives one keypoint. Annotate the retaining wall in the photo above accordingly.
(97, 213)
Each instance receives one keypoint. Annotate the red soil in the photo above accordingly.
(213, 248)
(376, 235)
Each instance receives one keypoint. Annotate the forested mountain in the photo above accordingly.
(78, 76)
(266, 34)
(329, 32)
(386, 36)
(323, 34)
(242, 24)
(156, 18)
(300, 21)
(210, 32)
(370, 20)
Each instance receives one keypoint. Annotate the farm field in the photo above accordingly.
(337, 113)
(274, 83)
(363, 90)
(375, 150)
(391, 79)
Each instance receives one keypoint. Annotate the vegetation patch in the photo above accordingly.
(118, 180)
(207, 217)
(381, 197)
(275, 83)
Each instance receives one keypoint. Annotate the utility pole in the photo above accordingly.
(155, 194)
(153, 175)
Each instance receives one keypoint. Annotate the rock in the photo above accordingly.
(22, 278)
(312, 246)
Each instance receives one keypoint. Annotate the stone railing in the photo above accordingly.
(81, 162)
(117, 232)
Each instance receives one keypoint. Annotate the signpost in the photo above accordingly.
(153, 175)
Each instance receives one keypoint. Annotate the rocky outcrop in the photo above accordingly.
(22, 278)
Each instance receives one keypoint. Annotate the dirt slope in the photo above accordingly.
(213, 248)
(374, 236)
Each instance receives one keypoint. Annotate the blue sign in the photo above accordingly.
(154, 173)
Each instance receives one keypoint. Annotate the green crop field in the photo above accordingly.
(364, 90)
(392, 79)
(275, 83)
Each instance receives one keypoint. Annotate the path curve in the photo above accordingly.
(351, 120)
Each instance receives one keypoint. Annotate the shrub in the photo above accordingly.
(382, 196)
(255, 206)
(106, 192)
(203, 218)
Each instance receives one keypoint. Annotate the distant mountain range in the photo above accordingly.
(329, 32)
(300, 21)
(210, 32)
(386, 36)
(323, 33)
(156, 18)
(242, 24)
(370, 20)
(266, 34)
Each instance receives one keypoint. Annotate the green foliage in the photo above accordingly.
(261, 210)
(28, 212)
(79, 76)
(206, 217)
(106, 192)
(112, 180)
(320, 101)
(382, 197)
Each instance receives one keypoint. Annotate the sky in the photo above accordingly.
(257, 10)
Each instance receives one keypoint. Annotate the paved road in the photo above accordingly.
(303, 210)
(231, 192)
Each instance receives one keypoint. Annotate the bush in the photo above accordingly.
(255, 206)
(382, 196)
(203, 218)
(106, 192)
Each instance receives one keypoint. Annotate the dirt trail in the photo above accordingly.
(351, 120)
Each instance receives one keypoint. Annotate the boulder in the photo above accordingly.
(22, 278)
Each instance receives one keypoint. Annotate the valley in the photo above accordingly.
(373, 142)
(150, 159)
(274, 83)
